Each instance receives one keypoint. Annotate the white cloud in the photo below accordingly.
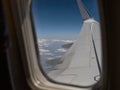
(45, 52)
(51, 58)
(61, 50)
(40, 41)
(56, 57)
(50, 54)
(43, 42)
(68, 41)
(64, 41)
(55, 40)
(47, 42)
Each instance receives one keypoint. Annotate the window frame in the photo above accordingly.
(32, 70)
(49, 81)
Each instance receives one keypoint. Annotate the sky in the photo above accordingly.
(60, 19)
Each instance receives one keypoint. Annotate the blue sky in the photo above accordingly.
(60, 19)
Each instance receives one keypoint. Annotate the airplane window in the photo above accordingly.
(69, 40)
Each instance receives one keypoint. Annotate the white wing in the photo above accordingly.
(79, 65)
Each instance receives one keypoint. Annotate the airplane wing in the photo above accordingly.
(82, 62)
(79, 64)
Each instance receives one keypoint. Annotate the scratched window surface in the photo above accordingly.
(69, 40)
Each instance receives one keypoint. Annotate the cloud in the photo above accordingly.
(50, 54)
(61, 50)
(45, 52)
(56, 57)
(47, 42)
(40, 41)
(68, 41)
(43, 42)
(64, 41)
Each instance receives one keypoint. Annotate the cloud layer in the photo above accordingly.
(52, 47)
(61, 50)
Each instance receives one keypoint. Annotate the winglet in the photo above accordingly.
(84, 12)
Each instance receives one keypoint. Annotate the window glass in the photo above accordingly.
(69, 40)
